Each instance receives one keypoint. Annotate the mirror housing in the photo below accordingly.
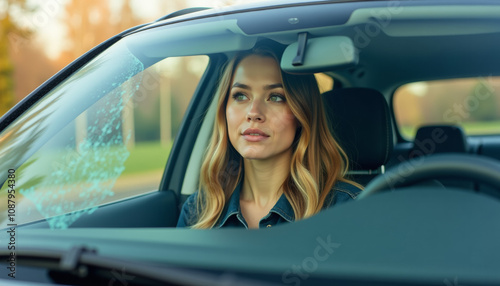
(321, 54)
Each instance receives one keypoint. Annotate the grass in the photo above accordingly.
(146, 157)
(142, 170)
(470, 128)
(65, 167)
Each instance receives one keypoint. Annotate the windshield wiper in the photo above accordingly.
(83, 266)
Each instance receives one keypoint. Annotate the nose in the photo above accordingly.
(255, 113)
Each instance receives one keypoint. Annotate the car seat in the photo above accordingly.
(438, 139)
(361, 123)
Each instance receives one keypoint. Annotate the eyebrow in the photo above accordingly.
(267, 87)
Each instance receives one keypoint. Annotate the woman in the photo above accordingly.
(272, 158)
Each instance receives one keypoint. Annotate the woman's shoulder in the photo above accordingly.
(346, 188)
(342, 192)
(188, 213)
(192, 198)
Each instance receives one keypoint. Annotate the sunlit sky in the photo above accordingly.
(46, 21)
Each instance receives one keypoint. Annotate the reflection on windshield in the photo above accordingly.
(81, 157)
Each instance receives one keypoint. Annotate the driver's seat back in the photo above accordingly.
(361, 123)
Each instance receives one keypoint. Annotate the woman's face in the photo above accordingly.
(259, 121)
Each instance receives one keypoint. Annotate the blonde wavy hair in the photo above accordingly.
(317, 163)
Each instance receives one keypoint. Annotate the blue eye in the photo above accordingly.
(239, 96)
(275, 97)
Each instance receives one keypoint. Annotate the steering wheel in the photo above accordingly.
(473, 167)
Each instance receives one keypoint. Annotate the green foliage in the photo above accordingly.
(471, 128)
(8, 28)
(146, 157)
(483, 102)
(6, 67)
(147, 125)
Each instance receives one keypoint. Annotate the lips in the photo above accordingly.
(254, 135)
(254, 132)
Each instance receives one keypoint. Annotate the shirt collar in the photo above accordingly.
(232, 207)
(282, 207)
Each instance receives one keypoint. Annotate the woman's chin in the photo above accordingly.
(252, 152)
(254, 157)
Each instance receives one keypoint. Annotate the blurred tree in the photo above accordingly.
(482, 102)
(10, 32)
(89, 23)
(31, 68)
(86, 24)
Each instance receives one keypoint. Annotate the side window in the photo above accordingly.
(325, 82)
(473, 103)
(116, 148)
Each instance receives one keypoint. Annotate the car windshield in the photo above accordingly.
(391, 163)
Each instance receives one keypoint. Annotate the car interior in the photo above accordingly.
(431, 191)
(360, 105)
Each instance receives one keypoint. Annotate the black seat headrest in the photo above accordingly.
(361, 122)
(433, 139)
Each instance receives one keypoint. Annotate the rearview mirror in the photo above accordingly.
(320, 54)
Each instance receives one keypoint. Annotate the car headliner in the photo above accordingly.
(425, 39)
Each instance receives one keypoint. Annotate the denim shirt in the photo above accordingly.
(281, 212)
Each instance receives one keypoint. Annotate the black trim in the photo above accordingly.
(395, 126)
(182, 12)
